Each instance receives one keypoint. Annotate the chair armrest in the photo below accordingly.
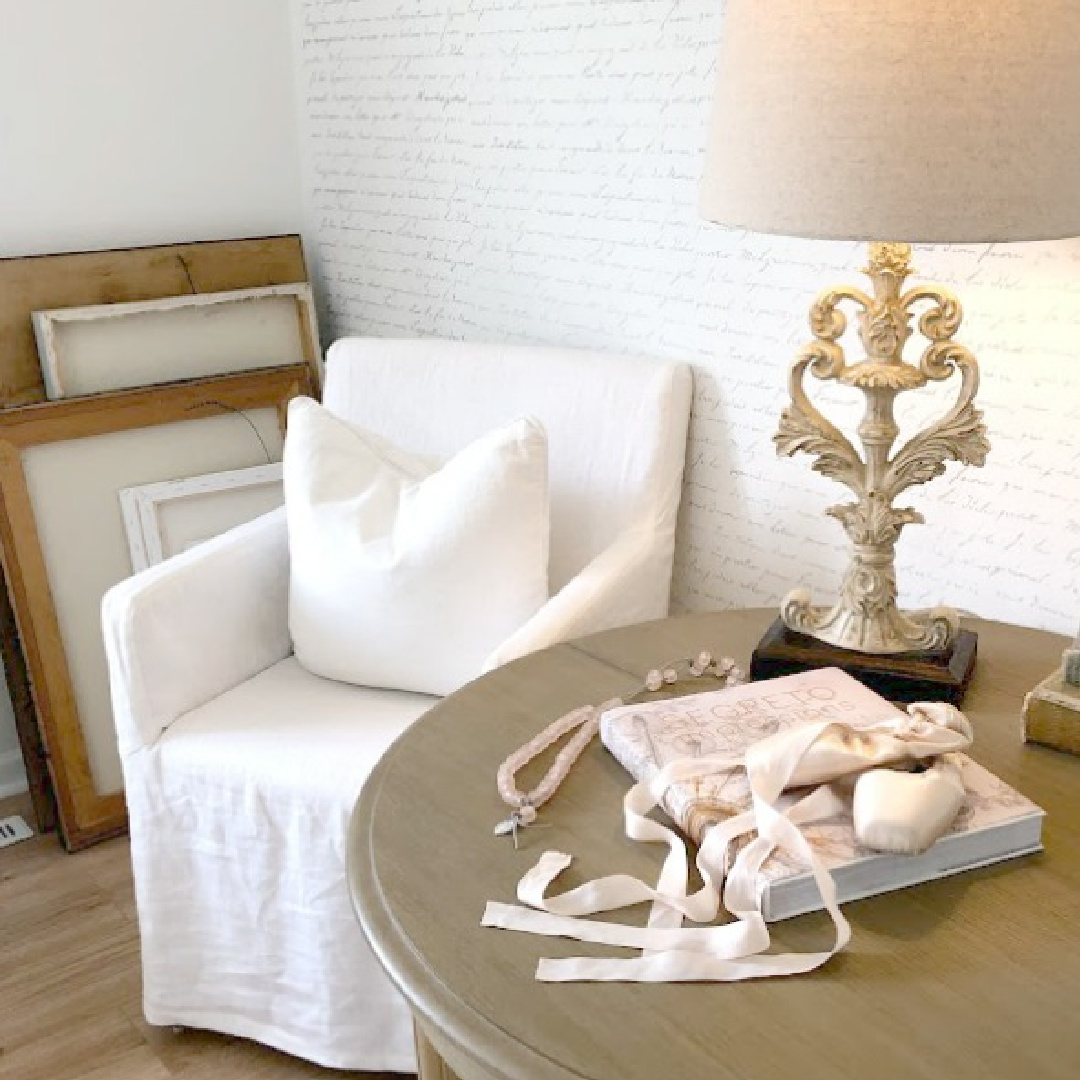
(606, 594)
(180, 633)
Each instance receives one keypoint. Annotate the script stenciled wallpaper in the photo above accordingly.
(527, 170)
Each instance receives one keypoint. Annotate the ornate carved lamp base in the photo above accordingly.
(931, 675)
(921, 648)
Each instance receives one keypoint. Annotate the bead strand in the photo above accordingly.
(587, 720)
(725, 670)
(525, 805)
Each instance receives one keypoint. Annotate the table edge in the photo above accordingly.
(488, 1049)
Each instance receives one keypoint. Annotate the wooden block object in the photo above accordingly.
(1052, 714)
(940, 675)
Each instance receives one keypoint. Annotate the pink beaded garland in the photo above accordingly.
(586, 719)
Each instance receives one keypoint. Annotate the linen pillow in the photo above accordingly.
(406, 574)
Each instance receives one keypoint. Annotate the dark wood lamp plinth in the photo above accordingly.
(938, 675)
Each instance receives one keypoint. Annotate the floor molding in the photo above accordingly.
(12, 774)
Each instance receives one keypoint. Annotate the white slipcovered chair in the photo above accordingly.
(241, 768)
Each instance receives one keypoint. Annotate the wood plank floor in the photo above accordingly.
(70, 1004)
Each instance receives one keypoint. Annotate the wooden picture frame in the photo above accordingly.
(36, 282)
(85, 814)
(205, 506)
(101, 347)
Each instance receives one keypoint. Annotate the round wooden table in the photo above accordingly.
(973, 977)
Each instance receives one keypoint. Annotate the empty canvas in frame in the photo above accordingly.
(88, 350)
(62, 465)
(166, 518)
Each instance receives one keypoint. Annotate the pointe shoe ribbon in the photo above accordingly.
(907, 812)
(802, 759)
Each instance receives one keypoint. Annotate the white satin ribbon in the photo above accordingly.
(733, 951)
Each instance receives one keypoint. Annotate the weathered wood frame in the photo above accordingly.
(38, 282)
(50, 323)
(35, 282)
(85, 815)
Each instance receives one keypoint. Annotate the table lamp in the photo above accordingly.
(893, 122)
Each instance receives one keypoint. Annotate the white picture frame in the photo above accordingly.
(162, 519)
(103, 347)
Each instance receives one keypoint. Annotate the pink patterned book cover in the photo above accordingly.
(644, 738)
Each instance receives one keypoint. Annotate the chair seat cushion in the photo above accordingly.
(288, 741)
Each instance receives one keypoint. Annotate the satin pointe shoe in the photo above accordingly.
(906, 812)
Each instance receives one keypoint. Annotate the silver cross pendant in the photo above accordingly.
(510, 825)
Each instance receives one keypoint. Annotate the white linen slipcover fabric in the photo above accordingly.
(616, 428)
(605, 593)
(239, 822)
(406, 575)
(186, 630)
(192, 630)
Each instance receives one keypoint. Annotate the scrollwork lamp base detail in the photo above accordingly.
(916, 631)
(866, 617)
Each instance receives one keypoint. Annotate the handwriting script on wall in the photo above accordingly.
(501, 170)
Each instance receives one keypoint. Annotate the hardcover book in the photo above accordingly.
(995, 822)
(1052, 714)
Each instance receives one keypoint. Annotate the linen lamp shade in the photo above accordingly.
(933, 121)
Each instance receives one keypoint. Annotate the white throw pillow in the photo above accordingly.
(405, 574)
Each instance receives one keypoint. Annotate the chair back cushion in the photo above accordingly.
(616, 425)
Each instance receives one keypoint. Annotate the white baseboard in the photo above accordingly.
(12, 774)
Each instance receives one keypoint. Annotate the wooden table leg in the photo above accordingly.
(429, 1065)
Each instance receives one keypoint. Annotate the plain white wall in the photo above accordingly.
(126, 123)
